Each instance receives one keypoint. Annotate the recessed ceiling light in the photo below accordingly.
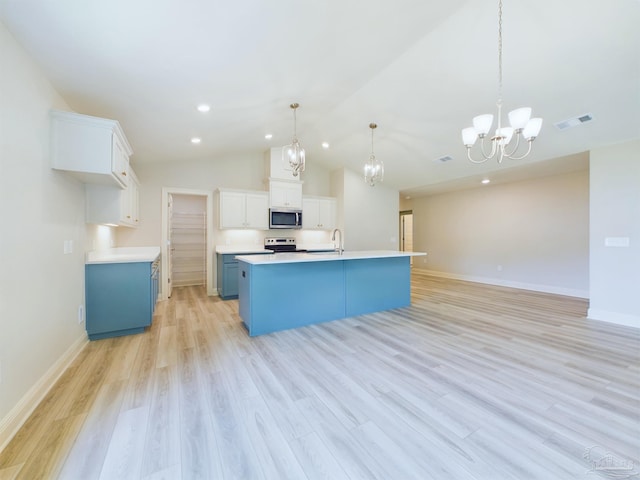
(325, 145)
(485, 181)
(268, 136)
(196, 140)
(204, 108)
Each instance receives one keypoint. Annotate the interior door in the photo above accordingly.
(170, 248)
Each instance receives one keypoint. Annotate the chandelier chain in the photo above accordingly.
(500, 52)
(520, 121)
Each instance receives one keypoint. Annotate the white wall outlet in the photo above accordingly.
(67, 247)
(80, 313)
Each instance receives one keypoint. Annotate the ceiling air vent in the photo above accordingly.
(444, 159)
(572, 122)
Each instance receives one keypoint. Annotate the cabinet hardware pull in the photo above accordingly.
(124, 174)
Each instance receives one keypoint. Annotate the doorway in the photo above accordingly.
(187, 218)
(406, 231)
(188, 240)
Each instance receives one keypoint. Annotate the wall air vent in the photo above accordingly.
(444, 159)
(574, 121)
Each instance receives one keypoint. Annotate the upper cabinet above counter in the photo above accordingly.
(96, 151)
(93, 149)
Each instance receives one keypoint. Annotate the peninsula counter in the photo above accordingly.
(288, 290)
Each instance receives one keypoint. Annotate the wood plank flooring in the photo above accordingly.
(469, 382)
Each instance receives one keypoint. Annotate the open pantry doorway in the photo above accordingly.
(406, 232)
(187, 239)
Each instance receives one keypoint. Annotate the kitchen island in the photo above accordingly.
(288, 290)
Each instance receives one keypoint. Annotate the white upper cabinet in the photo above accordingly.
(243, 209)
(286, 194)
(111, 205)
(91, 148)
(319, 213)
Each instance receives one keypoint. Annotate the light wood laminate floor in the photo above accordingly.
(470, 382)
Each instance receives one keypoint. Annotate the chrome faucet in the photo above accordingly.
(340, 247)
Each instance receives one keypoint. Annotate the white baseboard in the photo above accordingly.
(613, 317)
(569, 292)
(19, 414)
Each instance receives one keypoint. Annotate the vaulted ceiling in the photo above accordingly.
(420, 69)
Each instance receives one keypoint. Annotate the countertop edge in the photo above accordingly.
(323, 257)
(123, 255)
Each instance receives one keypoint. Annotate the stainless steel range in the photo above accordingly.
(281, 244)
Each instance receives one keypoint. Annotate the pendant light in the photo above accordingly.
(293, 154)
(373, 168)
(521, 125)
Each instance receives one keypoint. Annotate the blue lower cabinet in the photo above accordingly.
(227, 274)
(120, 298)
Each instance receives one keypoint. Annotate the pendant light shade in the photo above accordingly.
(293, 155)
(373, 168)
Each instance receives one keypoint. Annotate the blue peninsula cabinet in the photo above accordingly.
(121, 295)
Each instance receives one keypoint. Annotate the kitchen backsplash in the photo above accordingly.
(256, 237)
(100, 238)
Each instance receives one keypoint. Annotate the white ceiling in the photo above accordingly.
(419, 69)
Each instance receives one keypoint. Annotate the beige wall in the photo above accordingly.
(41, 288)
(368, 216)
(615, 213)
(530, 234)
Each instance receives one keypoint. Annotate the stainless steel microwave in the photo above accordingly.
(285, 218)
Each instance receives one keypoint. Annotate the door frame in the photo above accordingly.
(166, 191)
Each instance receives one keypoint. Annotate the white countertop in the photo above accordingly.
(323, 257)
(123, 255)
(240, 249)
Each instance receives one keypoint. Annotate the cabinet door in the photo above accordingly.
(230, 285)
(310, 210)
(257, 211)
(119, 161)
(232, 209)
(129, 201)
(319, 213)
(327, 214)
(117, 298)
(285, 194)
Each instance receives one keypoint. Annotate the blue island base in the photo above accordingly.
(280, 296)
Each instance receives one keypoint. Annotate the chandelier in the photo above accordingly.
(521, 123)
(373, 168)
(293, 154)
